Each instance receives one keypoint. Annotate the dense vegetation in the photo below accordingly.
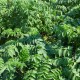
(39, 39)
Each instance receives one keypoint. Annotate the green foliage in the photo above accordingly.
(24, 54)
(39, 39)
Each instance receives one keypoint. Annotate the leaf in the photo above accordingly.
(78, 60)
(60, 52)
(2, 66)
